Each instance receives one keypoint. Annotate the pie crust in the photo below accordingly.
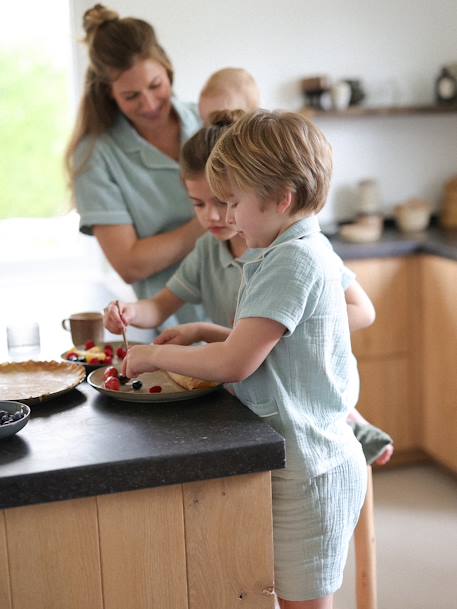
(35, 381)
(190, 383)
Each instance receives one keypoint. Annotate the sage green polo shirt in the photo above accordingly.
(309, 382)
(210, 275)
(129, 181)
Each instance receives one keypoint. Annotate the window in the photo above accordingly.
(35, 108)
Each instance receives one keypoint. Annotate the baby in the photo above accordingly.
(228, 89)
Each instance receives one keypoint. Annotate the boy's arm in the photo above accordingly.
(146, 313)
(187, 334)
(152, 312)
(361, 312)
(233, 360)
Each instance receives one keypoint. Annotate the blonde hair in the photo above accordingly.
(233, 84)
(114, 45)
(196, 151)
(271, 153)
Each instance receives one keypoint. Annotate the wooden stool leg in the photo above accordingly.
(365, 552)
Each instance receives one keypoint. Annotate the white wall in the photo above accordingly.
(396, 47)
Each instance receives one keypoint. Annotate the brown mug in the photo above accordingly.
(85, 326)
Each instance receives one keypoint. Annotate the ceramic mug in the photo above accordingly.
(85, 326)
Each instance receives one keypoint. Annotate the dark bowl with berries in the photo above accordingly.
(93, 356)
(13, 417)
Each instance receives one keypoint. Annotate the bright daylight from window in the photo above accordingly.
(35, 108)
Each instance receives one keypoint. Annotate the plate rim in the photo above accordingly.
(180, 396)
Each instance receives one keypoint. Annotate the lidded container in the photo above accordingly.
(368, 197)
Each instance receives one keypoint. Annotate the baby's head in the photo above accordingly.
(209, 210)
(271, 154)
(228, 89)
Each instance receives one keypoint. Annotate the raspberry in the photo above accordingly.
(155, 389)
(121, 352)
(111, 371)
(112, 382)
(89, 344)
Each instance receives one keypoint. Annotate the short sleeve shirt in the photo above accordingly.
(309, 382)
(210, 275)
(126, 180)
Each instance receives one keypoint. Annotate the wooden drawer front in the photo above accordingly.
(54, 557)
(440, 359)
(229, 566)
(385, 400)
(390, 285)
(142, 549)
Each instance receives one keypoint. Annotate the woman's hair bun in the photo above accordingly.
(224, 118)
(96, 16)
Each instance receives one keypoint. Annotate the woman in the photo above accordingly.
(122, 159)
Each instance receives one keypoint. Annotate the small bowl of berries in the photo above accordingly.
(13, 417)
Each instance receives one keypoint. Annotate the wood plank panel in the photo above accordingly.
(229, 542)
(142, 549)
(385, 399)
(54, 555)
(389, 284)
(5, 596)
(440, 359)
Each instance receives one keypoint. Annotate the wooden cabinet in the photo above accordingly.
(199, 545)
(387, 352)
(439, 359)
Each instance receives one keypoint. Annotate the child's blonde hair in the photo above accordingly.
(271, 153)
(234, 88)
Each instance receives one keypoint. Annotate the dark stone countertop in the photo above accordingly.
(434, 241)
(84, 443)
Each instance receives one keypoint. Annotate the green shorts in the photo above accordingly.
(313, 522)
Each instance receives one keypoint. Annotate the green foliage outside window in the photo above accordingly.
(34, 128)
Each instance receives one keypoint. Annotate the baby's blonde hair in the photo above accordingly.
(271, 153)
(233, 84)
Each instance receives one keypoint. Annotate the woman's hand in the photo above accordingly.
(139, 358)
(115, 322)
(184, 334)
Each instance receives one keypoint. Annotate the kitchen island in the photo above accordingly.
(110, 505)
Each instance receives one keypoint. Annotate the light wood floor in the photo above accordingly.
(416, 530)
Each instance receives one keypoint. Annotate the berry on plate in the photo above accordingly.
(111, 371)
(155, 389)
(121, 352)
(112, 382)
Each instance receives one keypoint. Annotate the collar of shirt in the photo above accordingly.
(227, 259)
(303, 228)
(131, 141)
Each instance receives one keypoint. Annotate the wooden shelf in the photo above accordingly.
(362, 111)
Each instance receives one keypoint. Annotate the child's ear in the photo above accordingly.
(285, 202)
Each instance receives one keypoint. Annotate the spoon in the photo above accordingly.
(126, 344)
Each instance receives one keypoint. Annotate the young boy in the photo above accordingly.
(228, 89)
(289, 354)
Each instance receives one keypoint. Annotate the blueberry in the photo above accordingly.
(137, 385)
(17, 415)
(5, 419)
(123, 379)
